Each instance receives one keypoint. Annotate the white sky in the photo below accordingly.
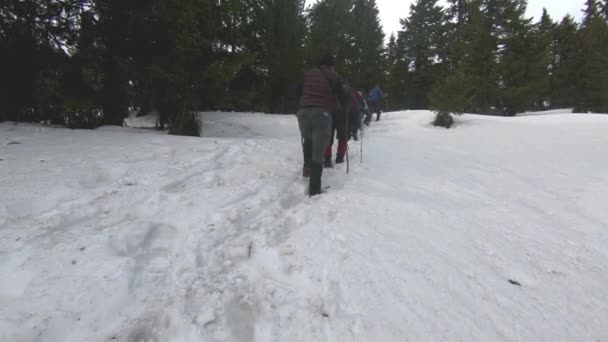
(393, 10)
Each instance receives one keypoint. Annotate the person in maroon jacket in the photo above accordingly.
(321, 92)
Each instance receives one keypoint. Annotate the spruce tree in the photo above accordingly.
(365, 55)
(591, 10)
(593, 81)
(114, 18)
(457, 17)
(544, 35)
(525, 66)
(423, 45)
(34, 36)
(329, 23)
(567, 64)
(283, 29)
(471, 85)
(393, 79)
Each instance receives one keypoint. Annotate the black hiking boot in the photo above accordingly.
(339, 159)
(314, 185)
(328, 164)
(307, 148)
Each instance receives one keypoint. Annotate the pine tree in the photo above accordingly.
(423, 45)
(393, 79)
(33, 38)
(82, 81)
(525, 65)
(115, 16)
(282, 35)
(500, 59)
(352, 31)
(591, 11)
(593, 82)
(365, 56)
(472, 85)
(177, 72)
(457, 16)
(545, 40)
(329, 23)
(567, 63)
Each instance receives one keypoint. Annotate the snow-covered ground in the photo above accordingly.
(494, 230)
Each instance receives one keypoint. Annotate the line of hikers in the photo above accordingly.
(328, 109)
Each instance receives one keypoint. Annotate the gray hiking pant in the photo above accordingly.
(315, 125)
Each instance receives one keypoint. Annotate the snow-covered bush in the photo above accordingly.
(443, 119)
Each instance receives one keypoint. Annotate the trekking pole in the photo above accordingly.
(347, 132)
(347, 161)
(362, 136)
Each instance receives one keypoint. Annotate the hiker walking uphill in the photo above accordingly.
(322, 90)
(374, 99)
(346, 124)
(356, 108)
(339, 130)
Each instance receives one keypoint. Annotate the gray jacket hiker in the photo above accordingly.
(322, 91)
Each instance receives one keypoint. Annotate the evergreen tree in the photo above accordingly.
(457, 17)
(329, 23)
(33, 35)
(82, 82)
(593, 81)
(282, 33)
(396, 74)
(422, 43)
(114, 20)
(352, 31)
(472, 85)
(525, 65)
(567, 63)
(545, 40)
(501, 61)
(365, 54)
(177, 73)
(591, 11)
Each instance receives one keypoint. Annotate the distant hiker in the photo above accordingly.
(322, 89)
(355, 109)
(374, 99)
(365, 111)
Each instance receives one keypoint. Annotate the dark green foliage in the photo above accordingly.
(501, 63)
(282, 50)
(567, 62)
(64, 60)
(592, 85)
(186, 123)
(396, 75)
(351, 30)
(423, 50)
(365, 57)
(454, 94)
(32, 60)
(82, 117)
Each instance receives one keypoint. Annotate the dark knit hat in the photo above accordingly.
(326, 60)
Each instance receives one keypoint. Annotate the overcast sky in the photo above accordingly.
(393, 10)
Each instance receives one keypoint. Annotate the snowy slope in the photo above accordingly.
(130, 235)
